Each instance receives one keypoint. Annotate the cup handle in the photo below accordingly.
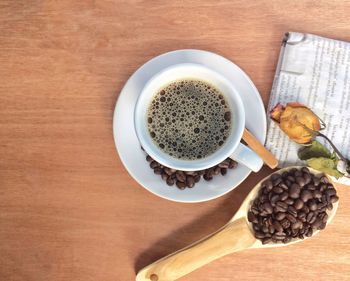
(247, 157)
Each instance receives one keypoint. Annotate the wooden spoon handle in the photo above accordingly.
(269, 159)
(233, 237)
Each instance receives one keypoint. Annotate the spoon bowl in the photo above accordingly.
(236, 235)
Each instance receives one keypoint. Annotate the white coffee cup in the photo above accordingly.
(231, 148)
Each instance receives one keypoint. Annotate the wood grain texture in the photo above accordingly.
(68, 208)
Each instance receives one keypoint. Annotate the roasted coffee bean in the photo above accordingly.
(311, 217)
(305, 209)
(285, 175)
(300, 181)
(323, 217)
(157, 171)
(311, 187)
(288, 183)
(275, 177)
(224, 164)
(217, 170)
(252, 217)
(267, 207)
(309, 233)
(207, 178)
(278, 227)
(312, 205)
(259, 235)
(197, 178)
(277, 190)
(285, 223)
(291, 210)
(279, 235)
(330, 192)
(181, 185)
(330, 206)
(322, 226)
(294, 191)
(324, 179)
(271, 229)
(283, 196)
(154, 164)
(289, 201)
(334, 199)
(265, 229)
(256, 227)
(263, 198)
(306, 195)
(277, 181)
(317, 194)
(298, 224)
(282, 205)
(305, 170)
(267, 184)
(210, 172)
(180, 176)
(291, 218)
(302, 215)
(298, 173)
(168, 171)
(284, 187)
(164, 176)
(280, 216)
(232, 164)
(316, 224)
(190, 181)
(266, 240)
(149, 158)
(170, 181)
(291, 179)
(274, 199)
(298, 204)
(307, 178)
(316, 180)
(223, 171)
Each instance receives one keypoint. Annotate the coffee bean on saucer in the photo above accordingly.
(170, 181)
(184, 179)
(190, 181)
(180, 184)
(180, 176)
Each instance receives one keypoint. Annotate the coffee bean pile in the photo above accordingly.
(183, 179)
(291, 206)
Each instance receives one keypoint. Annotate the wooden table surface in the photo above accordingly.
(68, 208)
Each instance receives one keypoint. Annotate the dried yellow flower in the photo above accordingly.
(297, 121)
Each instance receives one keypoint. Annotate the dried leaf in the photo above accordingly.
(316, 149)
(325, 165)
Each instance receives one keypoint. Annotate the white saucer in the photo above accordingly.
(127, 143)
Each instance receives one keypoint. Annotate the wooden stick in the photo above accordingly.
(269, 159)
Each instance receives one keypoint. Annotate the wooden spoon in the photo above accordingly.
(269, 159)
(236, 235)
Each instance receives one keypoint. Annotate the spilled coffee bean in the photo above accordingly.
(280, 215)
(183, 179)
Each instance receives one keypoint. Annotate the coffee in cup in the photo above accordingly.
(189, 119)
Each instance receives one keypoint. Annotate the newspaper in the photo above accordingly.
(315, 71)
